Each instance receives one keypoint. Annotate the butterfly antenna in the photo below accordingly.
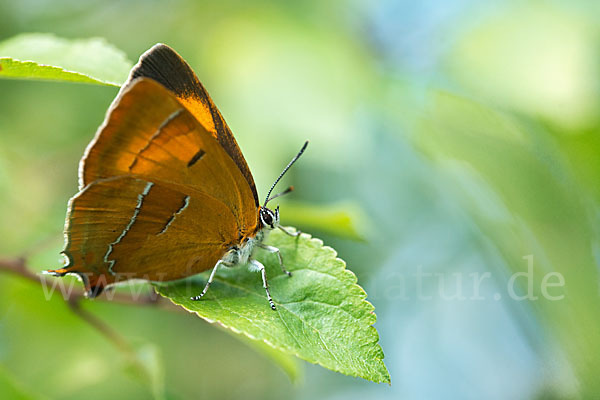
(286, 191)
(283, 173)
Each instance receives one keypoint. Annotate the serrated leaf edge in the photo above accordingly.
(334, 254)
(61, 69)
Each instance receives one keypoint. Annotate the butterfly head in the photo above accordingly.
(269, 218)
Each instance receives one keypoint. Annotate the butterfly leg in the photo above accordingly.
(293, 234)
(261, 268)
(275, 250)
(210, 279)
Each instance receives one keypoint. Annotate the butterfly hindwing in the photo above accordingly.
(124, 228)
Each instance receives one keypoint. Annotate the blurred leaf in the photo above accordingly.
(515, 184)
(535, 58)
(322, 315)
(10, 389)
(286, 362)
(147, 367)
(345, 220)
(47, 57)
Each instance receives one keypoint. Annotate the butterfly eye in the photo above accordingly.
(266, 217)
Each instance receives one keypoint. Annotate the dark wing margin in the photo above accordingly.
(165, 66)
(162, 64)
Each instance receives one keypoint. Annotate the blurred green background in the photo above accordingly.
(463, 135)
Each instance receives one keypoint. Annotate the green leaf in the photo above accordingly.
(11, 389)
(146, 366)
(345, 219)
(518, 187)
(47, 57)
(288, 363)
(322, 315)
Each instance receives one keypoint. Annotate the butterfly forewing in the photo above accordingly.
(162, 64)
(149, 134)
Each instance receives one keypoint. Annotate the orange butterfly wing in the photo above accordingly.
(162, 64)
(124, 228)
(148, 133)
(161, 198)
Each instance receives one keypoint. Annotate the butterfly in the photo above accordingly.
(164, 190)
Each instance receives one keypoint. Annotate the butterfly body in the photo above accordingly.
(165, 192)
(240, 254)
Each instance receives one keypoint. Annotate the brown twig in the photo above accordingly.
(17, 266)
(109, 333)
